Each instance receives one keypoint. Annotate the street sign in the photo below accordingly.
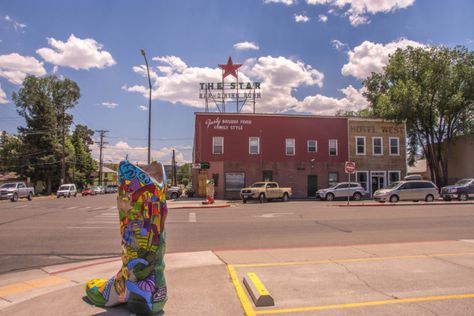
(350, 167)
(196, 166)
(205, 165)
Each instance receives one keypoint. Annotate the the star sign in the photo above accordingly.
(229, 68)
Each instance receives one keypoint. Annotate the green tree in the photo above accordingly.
(432, 90)
(83, 164)
(10, 153)
(183, 174)
(43, 103)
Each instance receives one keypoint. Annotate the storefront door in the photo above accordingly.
(377, 180)
(312, 185)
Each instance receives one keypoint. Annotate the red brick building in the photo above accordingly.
(301, 152)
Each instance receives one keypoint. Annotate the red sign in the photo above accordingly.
(350, 167)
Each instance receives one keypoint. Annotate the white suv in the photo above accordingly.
(67, 190)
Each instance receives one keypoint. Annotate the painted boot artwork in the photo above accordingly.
(141, 203)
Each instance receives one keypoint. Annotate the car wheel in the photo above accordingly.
(174, 196)
(286, 198)
(394, 199)
(14, 197)
(447, 199)
(429, 198)
(262, 198)
(75, 194)
(69, 195)
(357, 196)
(244, 201)
(58, 196)
(463, 197)
(30, 196)
(329, 197)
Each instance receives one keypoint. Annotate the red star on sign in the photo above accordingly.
(229, 68)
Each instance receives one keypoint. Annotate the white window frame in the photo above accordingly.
(373, 146)
(214, 139)
(393, 171)
(329, 147)
(315, 145)
(286, 146)
(390, 146)
(258, 145)
(367, 183)
(357, 146)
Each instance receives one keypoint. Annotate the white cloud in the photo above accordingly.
(15, 67)
(323, 18)
(143, 108)
(246, 46)
(357, 10)
(109, 105)
(139, 154)
(286, 2)
(352, 100)
(339, 45)
(16, 25)
(3, 96)
(371, 57)
(76, 53)
(300, 18)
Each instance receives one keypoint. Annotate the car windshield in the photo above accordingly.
(463, 182)
(64, 187)
(8, 185)
(258, 185)
(392, 185)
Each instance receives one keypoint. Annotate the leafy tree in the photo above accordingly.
(10, 153)
(183, 174)
(367, 112)
(432, 90)
(83, 164)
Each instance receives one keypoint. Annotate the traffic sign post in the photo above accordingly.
(349, 168)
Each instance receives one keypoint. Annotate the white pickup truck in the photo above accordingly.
(265, 191)
(16, 190)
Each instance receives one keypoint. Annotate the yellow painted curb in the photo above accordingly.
(30, 285)
(240, 292)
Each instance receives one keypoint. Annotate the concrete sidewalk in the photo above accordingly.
(371, 203)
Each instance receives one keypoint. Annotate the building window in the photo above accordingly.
(254, 145)
(393, 176)
(333, 178)
(267, 175)
(234, 181)
(362, 177)
(377, 146)
(290, 146)
(360, 145)
(217, 145)
(312, 146)
(333, 147)
(394, 146)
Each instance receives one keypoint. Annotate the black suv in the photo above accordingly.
(460, 190)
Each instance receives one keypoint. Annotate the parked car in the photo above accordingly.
(67, 190)
(265, 191)
(111, 188)
(413, 177)
(173, 192)
(342, 190)
(97, 190)
(87, 191)
(460, 190)
(16, 190)
(413, 190)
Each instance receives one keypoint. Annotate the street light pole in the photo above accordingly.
(149, 104)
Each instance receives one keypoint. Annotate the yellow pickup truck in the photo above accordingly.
(265, 191)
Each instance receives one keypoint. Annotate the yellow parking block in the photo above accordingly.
(29, 285)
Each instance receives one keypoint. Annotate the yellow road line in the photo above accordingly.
(275, 264)
(364, 304)
(30, 285)
(240, 292)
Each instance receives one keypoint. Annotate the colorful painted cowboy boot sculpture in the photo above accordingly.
(142, 209)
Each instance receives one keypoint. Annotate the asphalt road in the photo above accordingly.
(49, 231)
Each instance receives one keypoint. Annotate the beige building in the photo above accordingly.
(378, 149)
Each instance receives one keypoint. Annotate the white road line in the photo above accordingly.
(91, 227)
(108, 214)
(72, 207)
(21, 206)
(87, 207)
(192, 218)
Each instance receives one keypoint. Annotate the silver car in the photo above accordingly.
(408, 191)
(342, 190)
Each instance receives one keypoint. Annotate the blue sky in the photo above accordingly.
(310, 55)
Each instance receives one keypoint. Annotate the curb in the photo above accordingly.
(197, 206)
(407, 204)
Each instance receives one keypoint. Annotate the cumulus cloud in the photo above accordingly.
(371, 57)
(339, 45)
(323, 18)
(122, 149)
(16, 25)
(300, 18)
(286, 2)
(279, 76)
(109, 105)
(3, 96)
(76, 53)
(143, 108)
(352, 100)
(15, 67)
(246, 46)
(358, 10)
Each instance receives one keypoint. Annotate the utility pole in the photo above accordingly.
(101, 146)
(63, 158)
(142, 51)
(174, 168)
